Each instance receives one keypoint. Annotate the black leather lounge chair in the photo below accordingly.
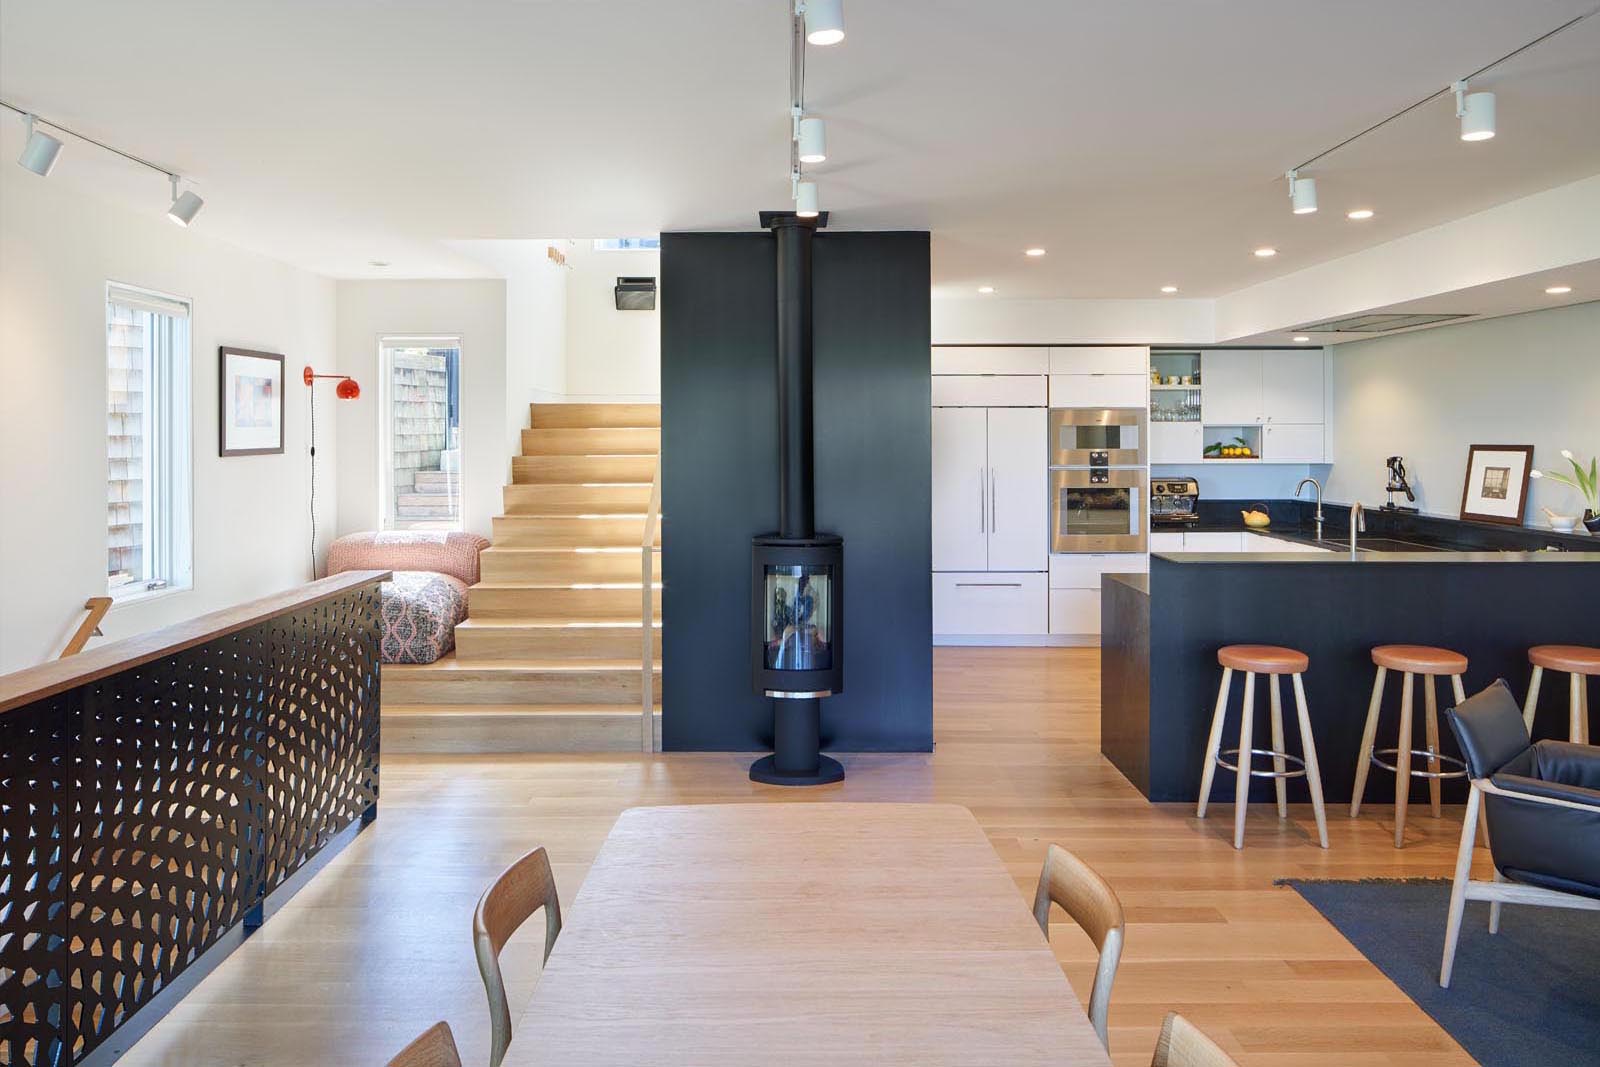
(1542, 805)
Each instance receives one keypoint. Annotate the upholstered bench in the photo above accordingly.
(427, 596)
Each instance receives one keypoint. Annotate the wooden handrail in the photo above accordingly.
(95, 609)
(647, 614)
(57, 676)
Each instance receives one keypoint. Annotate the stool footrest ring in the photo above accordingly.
(1301, 773)
(1422, 754)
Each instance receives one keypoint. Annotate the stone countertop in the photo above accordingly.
(1336, 557)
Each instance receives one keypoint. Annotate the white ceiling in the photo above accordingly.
(1141, 141)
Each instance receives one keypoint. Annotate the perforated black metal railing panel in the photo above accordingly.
(144, 815)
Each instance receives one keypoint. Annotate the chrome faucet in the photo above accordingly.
(1318, 487)
(1358, 525)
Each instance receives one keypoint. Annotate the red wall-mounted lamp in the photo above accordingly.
(347, 389)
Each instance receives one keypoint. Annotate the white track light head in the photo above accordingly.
(813, 140)
(1476, 112)
(1302, 193)
(39, 154)
(805, 200)
(185, 205)
(824, 21)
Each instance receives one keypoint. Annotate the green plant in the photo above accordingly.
(1584, 481)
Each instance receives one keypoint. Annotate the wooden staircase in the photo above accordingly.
(549, 657)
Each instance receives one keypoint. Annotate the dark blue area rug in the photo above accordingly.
(1528, 996)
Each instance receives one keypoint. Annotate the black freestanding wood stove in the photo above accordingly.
(797, 574)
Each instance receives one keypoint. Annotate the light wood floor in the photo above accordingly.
(378, 946)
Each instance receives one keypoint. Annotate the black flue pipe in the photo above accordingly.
(796, 475)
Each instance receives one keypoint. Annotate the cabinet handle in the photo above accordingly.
(994, 524)
(982, 524)
(988, 585)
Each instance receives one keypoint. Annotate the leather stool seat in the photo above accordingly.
(1419, 659)
(1575, 659)
(1263, 659)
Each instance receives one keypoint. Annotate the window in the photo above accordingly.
(420, 426)
(627, 244)
(147, 442)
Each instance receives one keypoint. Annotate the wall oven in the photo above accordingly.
(1097, 437)
(1097, 509)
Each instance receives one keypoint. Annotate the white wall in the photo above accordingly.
(475, 311)
(1245, 481)
(611, 354)
(1531, 379)
(989, 321)
(58, 248)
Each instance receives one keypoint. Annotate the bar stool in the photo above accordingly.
(1272, 661)
(1413, 660)
(1579, 662)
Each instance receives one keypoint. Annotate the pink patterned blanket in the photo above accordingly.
(427, 596)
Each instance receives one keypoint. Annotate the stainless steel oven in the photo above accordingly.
(1097, 509)
(1097, 437)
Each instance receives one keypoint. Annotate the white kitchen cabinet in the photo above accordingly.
(991, 493)
(1019, 493)
(1075, 612)
(982, 603)
(1292, 386)
(989, 390)
(1176, 442)
(1213, 542)
(1232, 388)
(974, 359)
(961, 489)
(1283, 442)
(1098, 390)
(1166, 542)
(1083, 570)
(1101, 359)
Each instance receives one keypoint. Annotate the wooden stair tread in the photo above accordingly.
(591, 415)
(451, 665)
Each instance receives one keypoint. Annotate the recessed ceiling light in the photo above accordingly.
(1360, 213)
(985, 289)
(1169, 288)
(1266, 253)
(1559, 290)
(1034, 252)
(1301, 339)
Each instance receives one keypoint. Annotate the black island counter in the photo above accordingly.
(1161, 632)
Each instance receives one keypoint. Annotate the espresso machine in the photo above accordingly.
(1398, 484)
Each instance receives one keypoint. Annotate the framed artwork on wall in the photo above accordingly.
(1496, 488)
(249, 402)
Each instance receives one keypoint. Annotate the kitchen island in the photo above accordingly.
(1160, 675)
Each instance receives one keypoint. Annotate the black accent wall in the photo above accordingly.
(719, 452)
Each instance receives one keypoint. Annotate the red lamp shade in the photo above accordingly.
(347, 389)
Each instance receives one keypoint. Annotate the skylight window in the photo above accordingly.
(627, 244)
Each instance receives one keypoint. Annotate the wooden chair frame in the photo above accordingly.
(1091, 903)
(1182, 1044)
(1499, 891)
(520, 890)
(434, 1047)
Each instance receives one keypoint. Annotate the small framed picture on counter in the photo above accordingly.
(1497, 483)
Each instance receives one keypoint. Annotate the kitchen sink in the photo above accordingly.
(1379, 544)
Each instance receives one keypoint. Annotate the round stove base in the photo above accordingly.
(828, 770)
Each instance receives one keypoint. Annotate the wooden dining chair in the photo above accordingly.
(1181, 1044)
(1088, 901)
(434, 1048)
(522, 889)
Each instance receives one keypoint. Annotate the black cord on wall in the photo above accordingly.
(313, 393)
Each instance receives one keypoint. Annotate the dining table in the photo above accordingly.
(801, 933)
